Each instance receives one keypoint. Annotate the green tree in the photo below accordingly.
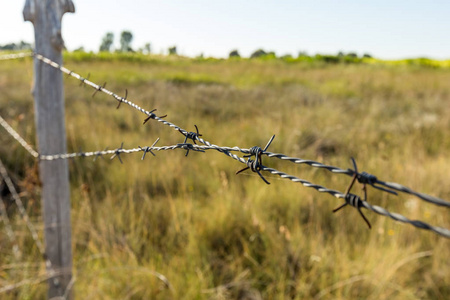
(107, 42)
(125, 41)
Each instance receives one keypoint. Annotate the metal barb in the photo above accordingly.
(188, 147)
(152, 116)
(352, 199)
(148, 149)
(82, 79)
(99, 154)
(81, 153)
(366, 178)
(190, 135)
(117, 153)
(256, 165)
(122, 99)
(270, 142)
(99, 89)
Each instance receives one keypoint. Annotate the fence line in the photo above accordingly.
(254, 165)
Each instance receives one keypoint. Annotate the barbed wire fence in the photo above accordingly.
(253, 155)
(252, 158)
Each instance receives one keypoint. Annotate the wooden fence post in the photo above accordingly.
(48, 94)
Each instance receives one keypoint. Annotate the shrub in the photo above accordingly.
(234, 53)
(258, 53)
(173, 50)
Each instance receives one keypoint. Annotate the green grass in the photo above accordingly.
(215, 235)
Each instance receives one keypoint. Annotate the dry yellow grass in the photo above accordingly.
(215, 235)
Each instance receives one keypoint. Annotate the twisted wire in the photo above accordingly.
(400, 218)
(18, 138)
(407, 190)
(304, 182)
(185, 146)
(372, 179)
(102, 89)
(16, 55)
(119, 151)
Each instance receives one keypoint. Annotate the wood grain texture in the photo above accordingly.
(48, 94)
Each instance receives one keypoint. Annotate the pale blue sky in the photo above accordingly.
(386, 29)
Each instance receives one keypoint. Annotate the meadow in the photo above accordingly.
(217, 235)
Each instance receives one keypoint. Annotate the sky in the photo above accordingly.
(391, 29)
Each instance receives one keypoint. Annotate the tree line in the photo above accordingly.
(126, 38)
(21, 46)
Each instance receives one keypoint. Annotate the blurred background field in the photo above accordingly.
(213, 234)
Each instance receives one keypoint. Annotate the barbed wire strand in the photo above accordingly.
(16, 55)
(400, 218)
(151, 115)
(102, 89)
(18, 138)
(391, 185)
(27, 221)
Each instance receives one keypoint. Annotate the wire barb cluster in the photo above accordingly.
(192, 136)
(355, 200)
(252, 159)
(256, 164)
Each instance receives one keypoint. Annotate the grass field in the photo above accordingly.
(213, 234)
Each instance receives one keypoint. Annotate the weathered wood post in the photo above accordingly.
(46, 16)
